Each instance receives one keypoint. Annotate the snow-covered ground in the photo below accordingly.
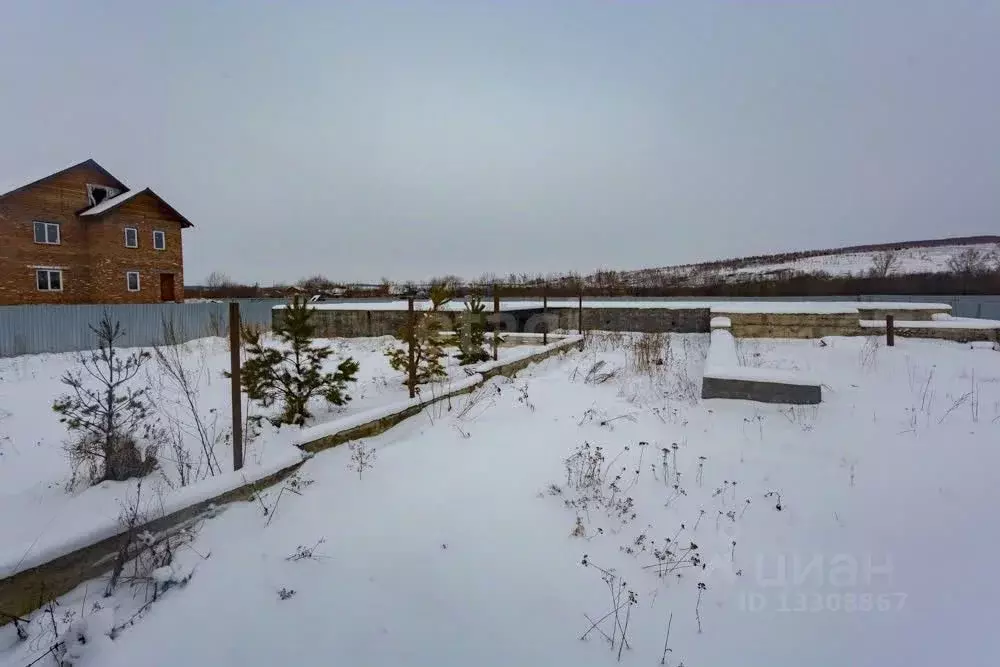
(36, 505)
(503, 531)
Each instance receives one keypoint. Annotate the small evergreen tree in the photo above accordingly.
(293, 374)
(108, 413)
(428, 345)
(471, 336)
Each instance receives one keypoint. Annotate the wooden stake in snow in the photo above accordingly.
(579, 313)
(411, 343)
(234, 375)
(545, 321)
(496, 323)
(890, 330)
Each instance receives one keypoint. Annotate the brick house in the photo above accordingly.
(81, 236)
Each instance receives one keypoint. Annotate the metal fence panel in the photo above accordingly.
(45, 328)
(50, 328)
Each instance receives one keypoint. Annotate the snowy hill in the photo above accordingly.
(930, 256)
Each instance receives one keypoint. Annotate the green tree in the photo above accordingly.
(471, 336)
(293, 373)
(424, 336)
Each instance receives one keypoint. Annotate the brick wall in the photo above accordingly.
(91, 253)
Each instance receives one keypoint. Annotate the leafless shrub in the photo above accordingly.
(649, 353)
(593, 485)
(303, 552)
(178, 388)
(803, 416)
(605, 340)
(868, 357)
(597, 373)
(476, 402)
(153, 566)
(523, 398)
(362, 456)
(622, 598)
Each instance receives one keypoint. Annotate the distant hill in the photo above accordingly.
(910, 257)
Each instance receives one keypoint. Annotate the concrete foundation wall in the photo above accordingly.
(358, 323)
(645, 320)
(762, 392)
(957, 335)
(880, 313)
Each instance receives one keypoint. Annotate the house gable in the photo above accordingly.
(89, 167)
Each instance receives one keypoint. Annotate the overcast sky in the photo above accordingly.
(408, 138)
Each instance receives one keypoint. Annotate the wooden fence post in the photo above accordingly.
(579, 314)
(411, 342)
(234, 374)
(890, 330)
(496, 323)
(545, 317)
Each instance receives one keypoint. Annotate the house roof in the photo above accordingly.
(114, 202)
(9, 188)
(106, 205)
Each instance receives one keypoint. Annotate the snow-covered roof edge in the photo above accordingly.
(118, 200)
(111, 202)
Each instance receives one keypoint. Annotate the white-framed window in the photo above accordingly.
(49, 280)
(98, 193)
(159, 240)
(132, 281)
(131, 237)
(47, 232)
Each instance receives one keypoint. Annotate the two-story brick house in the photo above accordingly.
(81, 236)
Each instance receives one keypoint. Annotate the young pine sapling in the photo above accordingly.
(109, 414)
(293, 374)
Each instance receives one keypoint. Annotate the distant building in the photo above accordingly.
(80, 235)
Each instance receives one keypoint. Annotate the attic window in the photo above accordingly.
(98, 193)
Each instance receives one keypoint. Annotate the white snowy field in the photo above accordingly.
(36, 505)
(911, 260)
(861, 531)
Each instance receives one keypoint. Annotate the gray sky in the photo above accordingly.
(411, 138)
